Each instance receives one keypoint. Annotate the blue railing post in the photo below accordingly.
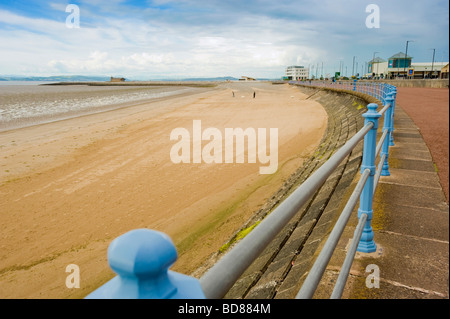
(366, 244)
(387, 126)
(142, 258)
(394, 96)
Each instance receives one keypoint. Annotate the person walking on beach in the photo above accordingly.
(254, 94)
(233, 93)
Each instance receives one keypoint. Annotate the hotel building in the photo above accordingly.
(296, 73)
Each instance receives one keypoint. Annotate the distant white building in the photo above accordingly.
(428, 70)
(296, 73)
(378, 68)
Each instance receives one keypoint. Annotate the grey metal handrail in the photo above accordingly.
(312, 281)
(378, 172)
(219, 279)
(380, 143)
(345, 269)
(310, 285)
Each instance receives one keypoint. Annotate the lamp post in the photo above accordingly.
(353, 69)
(442, 60)
(406, 56)
(432, 63)
(378, 63)
(372, 68)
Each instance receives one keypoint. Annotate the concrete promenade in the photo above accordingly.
(411, 214)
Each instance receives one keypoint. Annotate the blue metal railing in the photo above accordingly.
(142, 258)
(375, 89)
(365, 189)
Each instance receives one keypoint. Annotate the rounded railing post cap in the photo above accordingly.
(390, 97)
(372, 112)
(142, 253)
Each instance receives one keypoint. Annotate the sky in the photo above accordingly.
(162, 39)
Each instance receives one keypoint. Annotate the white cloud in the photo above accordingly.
(217, 38)
(42, 25)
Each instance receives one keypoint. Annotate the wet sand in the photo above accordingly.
(68, 188)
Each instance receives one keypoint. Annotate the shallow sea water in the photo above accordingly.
(25, 104)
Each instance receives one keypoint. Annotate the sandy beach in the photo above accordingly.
(68, 188)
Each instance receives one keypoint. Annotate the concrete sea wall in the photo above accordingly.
(437, 84)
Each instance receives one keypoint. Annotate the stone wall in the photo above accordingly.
(438, 83)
